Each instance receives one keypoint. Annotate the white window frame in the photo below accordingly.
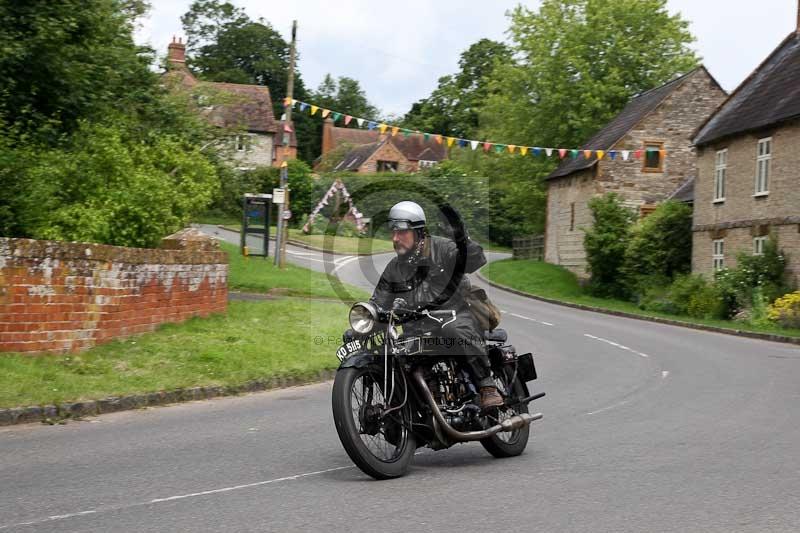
(718, 254)
(425, 163)
(242, 143)
(720, 174)
(758, 245)
(763, 166)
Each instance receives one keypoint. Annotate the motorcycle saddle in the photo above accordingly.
(496, 335)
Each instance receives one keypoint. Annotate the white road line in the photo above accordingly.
(300, 253)
(531, 319)
(610, 407)
(616, 345)
(664, 374)
(174, 498)
(343, 263)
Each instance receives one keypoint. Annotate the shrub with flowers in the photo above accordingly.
(786, 310)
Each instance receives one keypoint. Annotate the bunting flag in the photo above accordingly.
(473, 144)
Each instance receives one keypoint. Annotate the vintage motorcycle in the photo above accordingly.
(393, 393)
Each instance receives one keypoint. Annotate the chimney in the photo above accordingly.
(176, 53)
(327, 136)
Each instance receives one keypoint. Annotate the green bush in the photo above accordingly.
(659, 245)
(605, 243)
(689, 295)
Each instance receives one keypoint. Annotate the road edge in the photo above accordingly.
(659, 320)
(300, 244)
(56, 414)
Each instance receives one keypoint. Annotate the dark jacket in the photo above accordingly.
(421, 281)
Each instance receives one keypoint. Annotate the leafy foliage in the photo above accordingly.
(659, 246)
(605, 243)
(786, 310)
(690, 295)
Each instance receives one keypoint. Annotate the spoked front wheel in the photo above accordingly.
(381, 446)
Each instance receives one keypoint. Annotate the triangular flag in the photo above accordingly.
(450, 141)
(336, 116)
(574, 153)
(395, 131)
(536, 150)
(325, 113)
(287, 128)
(313, 110)
(523, 150)
(625, 154)
(499, 148)
(511, 148)
(295, 102)
(382, 127)
(487, 146)
(426, 136)
(287, 102)
(371, 125)
(587, 154)
(637, 154)
(462, 143)
(612, 154)
(347, 119)
(600, 154)
(562, 152)
(406, 133)
(474, 144)
(548, 151)
(303, 106)
(437, 138)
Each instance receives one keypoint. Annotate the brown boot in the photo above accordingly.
(490, 397)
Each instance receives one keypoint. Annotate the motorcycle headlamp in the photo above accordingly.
(363, 317)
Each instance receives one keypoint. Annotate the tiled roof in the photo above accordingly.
(356, 157)
(414, 146)
(353, 136)
(250, 107)
(684, 193)
(637, 109)
(770, 95)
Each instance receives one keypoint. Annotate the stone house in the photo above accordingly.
(748, 180)
(246, 109)
(376, 152)
(653, 158)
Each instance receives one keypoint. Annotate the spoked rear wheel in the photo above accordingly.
(508, 443)
(381, 446)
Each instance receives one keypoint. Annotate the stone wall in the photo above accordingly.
(66, 297)
(259, 151)
(743, 215)
(672, 123)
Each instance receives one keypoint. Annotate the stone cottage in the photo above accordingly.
(654, 130)
(748, 170)
(246, 109)
(376, 152)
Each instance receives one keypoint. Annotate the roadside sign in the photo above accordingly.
(278, 196)
(286, 215)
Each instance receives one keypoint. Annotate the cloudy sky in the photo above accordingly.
(398, 50)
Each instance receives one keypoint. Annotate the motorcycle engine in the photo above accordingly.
(453, 392)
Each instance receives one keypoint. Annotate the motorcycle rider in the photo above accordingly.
(421, 271)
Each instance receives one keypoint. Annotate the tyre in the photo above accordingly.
(381, 447)
(509, 444)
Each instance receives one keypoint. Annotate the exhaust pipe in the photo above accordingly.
(510, 424)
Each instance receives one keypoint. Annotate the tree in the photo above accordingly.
(577, 64)
(69, 60)
(605, 243)
(225, 45)
(454, 106)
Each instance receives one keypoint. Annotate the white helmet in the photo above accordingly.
(406, 215)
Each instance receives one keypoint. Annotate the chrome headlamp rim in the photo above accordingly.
(363, 317)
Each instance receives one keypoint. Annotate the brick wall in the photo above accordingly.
(66, 297)
(743, 214)
(387, 152)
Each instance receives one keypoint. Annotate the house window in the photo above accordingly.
(572, 216)
(426, 164)
(718, 254)
(653, 162)
(720, 170)
(763, 162)
(387, 166)
(758, 245)
(242, 143)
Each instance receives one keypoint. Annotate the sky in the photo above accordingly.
(398, 50)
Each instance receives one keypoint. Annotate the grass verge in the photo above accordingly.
(254, 340)
(257, 274)
(557, 283)
(336, 244)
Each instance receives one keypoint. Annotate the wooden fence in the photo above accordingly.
(529, 247)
